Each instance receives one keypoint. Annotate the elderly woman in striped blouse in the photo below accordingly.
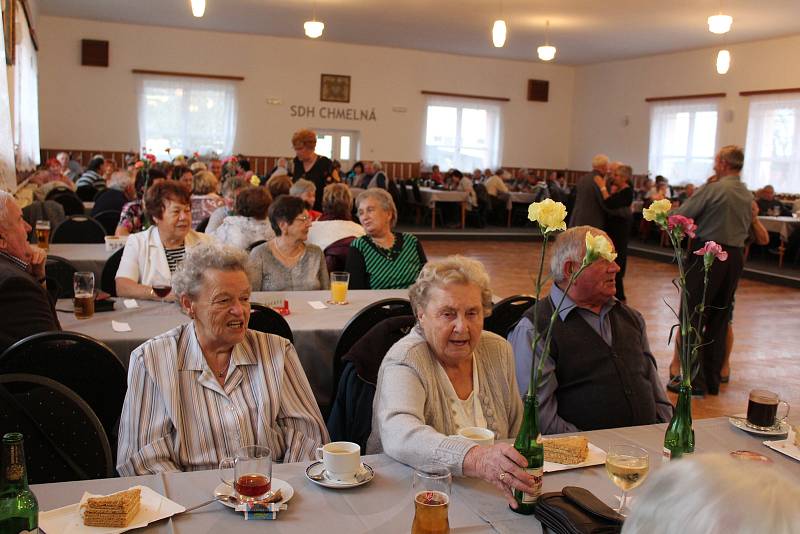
(382, 259)
(200, 391)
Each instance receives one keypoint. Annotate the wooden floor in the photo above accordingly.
(766, 351)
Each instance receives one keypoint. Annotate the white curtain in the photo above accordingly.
(772, 151)
(462, 133)
(186, 115)
(8, 176)
(26, 98)
(683, 140)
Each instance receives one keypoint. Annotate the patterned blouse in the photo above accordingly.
(132, 216)
(374, 267)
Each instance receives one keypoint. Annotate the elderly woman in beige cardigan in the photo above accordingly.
(447, 374)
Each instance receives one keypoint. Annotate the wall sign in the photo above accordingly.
(329, 112)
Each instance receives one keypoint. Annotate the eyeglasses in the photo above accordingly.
(302, 218)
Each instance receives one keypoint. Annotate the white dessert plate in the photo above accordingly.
(317, 470)
(596, 456)
(68, 520)
(740, 422)
(287, 491)
(785, 446)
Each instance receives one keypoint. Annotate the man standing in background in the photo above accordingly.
(589, 210)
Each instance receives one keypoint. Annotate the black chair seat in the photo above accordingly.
(60, 273)
(267, 320)
(64, 439)
(108, 277)
(507, 313)
(86, 193)
(79, 229)
(254, 244)
(109, 220)
(71, 202)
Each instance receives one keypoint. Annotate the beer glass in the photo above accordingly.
(339, 282)
(43, 234)
(627, 467)
(252, 472)
(431, 500)
(83, 285)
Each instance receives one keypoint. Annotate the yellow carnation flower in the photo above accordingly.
(255, 180)
(549, 214)
(659, 207)
(598, 246)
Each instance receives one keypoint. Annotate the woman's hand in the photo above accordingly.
(502, 466)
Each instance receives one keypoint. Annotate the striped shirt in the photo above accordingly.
(174, 257)
(91, 179)
(395, 268)
(177, 417)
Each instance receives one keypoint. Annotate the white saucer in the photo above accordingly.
(781, 429)
(317, 468)
(287, 491)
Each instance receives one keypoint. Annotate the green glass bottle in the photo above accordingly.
(529, 445)
(19, 510)
(679, 438)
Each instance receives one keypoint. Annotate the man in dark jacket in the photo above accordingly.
(25, 305)
(120, 191)
(588, 208)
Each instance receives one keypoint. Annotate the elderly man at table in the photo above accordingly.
(769, 205)
(24, 302)
(150, 257)
(589, 208)
(200, 391)
(447, 374)
(722, 212)
(120, 191)
(600, 372)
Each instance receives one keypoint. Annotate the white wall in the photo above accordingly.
(95, 108)
(607, 93)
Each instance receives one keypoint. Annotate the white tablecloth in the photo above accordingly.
(430, 196)
(85, 257)
(781, 225)
(385, 505)
(315, 331)
(518, 197)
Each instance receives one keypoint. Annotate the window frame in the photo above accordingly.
(759, 108)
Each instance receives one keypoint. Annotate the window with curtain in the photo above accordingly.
(186, 115)
(772, 151)
(8, 176)
(462, 134)
(683, 140)
(26, 97)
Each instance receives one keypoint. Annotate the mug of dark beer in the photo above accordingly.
(762, 410)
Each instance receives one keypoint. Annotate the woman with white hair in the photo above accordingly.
(382, 259)
(308, 192)
(205, 197)
(202, 390)
(448, 374)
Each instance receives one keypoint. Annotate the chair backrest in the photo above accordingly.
(254, 244)
(108, 219)
(79, 229)
(336, 254)
(360, 324)
(265, 319)
(83, 364)
(64, 438)
(108, 277)
(507, 313)
(415, 191)
(71, 202)
(203, 225)
(60, 273)
(86, 193)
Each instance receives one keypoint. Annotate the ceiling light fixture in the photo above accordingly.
(499, 33)
(723, 61)
(720, 24)
(546, 52)
(198, 8)
(313, 27)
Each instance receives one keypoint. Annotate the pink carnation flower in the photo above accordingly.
(712, 249)
(686, 224)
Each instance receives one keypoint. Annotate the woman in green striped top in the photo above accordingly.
(382, 259)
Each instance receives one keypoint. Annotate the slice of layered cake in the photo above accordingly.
(569, 450)
(115, 510)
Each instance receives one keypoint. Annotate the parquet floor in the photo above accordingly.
(766, 351)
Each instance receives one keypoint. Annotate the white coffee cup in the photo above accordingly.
(480, 435)
(342, 459)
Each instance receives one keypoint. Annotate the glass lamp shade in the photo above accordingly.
(723, 61)
(313, 28)
(198, 8)
(720, 23)
(499, 33)
(546, 52)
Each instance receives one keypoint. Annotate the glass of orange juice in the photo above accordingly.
(339, 282)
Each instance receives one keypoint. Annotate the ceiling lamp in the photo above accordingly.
(723, 61)
(499, 33)
(546, 52)
(313, 28)
(198, 8)
(720, 23)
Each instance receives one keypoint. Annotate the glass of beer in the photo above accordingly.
(627, 466)
(339, 283)
(252, 472)
(83, 284)
(431, 500)
(43, 234)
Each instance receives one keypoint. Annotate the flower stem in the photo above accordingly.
(536, 334)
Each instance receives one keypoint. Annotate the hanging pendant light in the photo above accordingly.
(198, 8)
(499, 33)
(313, 27)
(720, 23)
(546, 52)
(723, 61)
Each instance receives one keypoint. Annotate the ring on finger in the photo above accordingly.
(503, 476)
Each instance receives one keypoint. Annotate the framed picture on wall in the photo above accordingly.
(8, 28)
(334, 88)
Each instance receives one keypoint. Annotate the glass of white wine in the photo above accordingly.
(627, 466)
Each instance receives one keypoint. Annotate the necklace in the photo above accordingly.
(291, 256)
